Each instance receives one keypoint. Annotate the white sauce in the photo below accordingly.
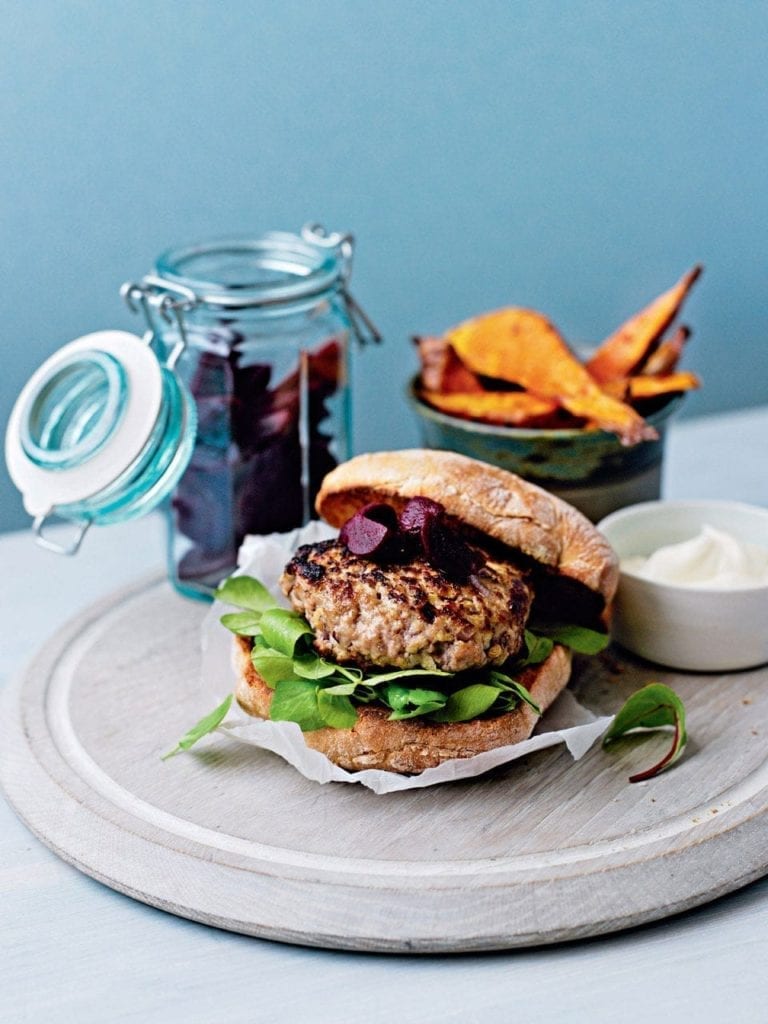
(712, 559)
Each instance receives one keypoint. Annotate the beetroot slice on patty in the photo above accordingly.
(369, 529)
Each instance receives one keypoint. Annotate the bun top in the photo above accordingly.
(500, 504)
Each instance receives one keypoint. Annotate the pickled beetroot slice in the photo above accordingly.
(417, 512)
(369, 529)
(422, 528)
(447, 551)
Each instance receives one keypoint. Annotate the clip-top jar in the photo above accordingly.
(246, 401)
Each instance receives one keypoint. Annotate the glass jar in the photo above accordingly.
(250, 409)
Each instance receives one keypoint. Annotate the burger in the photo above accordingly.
(439, 623)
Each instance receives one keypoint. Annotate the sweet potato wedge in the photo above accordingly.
(523, 347)
(634, 389)
(667, 355)
(443, 371)
(507, 408)
(643, 386)
(623, 352)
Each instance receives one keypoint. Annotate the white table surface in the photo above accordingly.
(74, 950)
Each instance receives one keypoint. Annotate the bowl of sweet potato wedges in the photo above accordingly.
(506, 387)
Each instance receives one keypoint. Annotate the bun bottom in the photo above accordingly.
(411, 745)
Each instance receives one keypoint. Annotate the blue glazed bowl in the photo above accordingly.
(590, 469)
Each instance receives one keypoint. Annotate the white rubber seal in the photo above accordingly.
(44, 489)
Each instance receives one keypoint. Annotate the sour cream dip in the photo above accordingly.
(713, 558)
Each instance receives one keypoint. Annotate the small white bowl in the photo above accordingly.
(696, 628)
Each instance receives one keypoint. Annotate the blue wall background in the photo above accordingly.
(575, 157)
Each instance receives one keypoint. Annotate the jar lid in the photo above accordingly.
(263, 274)
(83, 419)
(242, 273)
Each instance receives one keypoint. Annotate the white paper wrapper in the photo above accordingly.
(264, 557)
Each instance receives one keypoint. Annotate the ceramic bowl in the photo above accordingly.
(590, 469)
(695, 628)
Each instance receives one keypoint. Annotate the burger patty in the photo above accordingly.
(407, 616)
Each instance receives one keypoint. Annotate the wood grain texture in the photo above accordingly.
(545, 851)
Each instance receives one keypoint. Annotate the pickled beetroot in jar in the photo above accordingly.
(262, 332)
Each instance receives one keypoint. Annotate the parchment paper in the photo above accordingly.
(264, 557)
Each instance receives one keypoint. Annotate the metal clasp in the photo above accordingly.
(316, 234)
(38, 525)
(170, 301)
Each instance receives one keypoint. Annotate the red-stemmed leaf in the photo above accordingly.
(653, 707)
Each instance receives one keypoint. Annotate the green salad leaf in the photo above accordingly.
(207, 724)
(312, 666)
(538, 648)
(342, 689)
(271, 665)
(410, 701)
(336, 709)
(505, 683)
(311, 705)
(245, 592)
(652, 707)
(578, 638)
(242, 623)
(404, 673)
(350, 672)
(467, 703)
(282, 630)
(295, 700)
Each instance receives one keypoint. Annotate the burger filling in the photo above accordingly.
(405, 610)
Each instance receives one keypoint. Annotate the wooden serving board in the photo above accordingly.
(542, 851)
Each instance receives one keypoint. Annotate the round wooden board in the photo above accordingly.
(543, 851)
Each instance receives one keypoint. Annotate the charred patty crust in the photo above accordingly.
(407, 616)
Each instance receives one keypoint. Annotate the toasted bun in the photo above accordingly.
(503, 506)
(411, 745)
